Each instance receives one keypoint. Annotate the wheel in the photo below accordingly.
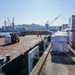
(17, 40)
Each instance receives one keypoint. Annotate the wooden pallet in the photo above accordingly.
(58, 53)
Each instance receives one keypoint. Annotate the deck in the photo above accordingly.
(55, 64)
(59, 64)
(16, 49)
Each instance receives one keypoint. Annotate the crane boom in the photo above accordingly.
(47, 23)
(55, 19)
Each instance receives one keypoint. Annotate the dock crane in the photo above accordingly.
(13, 24)
(9, 23)
(47, 23)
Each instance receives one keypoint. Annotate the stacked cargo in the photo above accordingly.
(72, 38)
(59, 36)
(72, 30)
(59, 42)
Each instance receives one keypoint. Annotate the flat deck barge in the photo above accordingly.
(16, 49)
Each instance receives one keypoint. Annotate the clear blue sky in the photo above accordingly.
(36, 11)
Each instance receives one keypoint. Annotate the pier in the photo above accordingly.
(47, 64)
(18, 63)
(16, 49)
(50, 64)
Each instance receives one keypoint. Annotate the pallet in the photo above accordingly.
(58, 53)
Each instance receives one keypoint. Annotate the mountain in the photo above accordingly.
(31, 26)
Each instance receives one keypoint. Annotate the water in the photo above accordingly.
(4, 33)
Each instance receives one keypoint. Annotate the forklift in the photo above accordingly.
(12, 38)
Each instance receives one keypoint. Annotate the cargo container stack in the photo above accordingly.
(72, 30)
(59, 43)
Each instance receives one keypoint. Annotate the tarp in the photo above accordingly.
(59, 42)
(7, 39)
(59, 36)
(59, 46)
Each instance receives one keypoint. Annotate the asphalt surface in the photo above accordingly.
(59, 65)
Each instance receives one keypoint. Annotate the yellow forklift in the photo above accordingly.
(12, 38)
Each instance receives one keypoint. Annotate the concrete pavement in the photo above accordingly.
(59, 65)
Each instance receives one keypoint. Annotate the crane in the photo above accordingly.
(47, 23)
(9, 22)
(13, 23)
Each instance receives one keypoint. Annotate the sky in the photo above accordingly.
(36, 11)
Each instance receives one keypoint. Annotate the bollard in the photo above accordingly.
(1, 61)
(7, 57)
